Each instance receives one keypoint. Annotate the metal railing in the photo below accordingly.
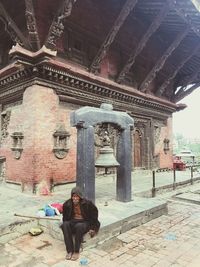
(174, 184)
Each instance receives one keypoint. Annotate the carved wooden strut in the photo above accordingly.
(10, 26)
(183, 91)
(57, 26)
(127, 8)
(31, 25)
(161, 61)
(162, 88)
(153, 27)
(181, 94)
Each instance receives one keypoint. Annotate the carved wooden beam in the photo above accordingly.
(183, 93)
(57, 26)
(31, 25)
(127, 8)
(185, 17)
(161, 61)
(153, 27)
(162, 88)
(10, 26)
(190, 79)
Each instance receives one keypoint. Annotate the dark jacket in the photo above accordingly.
(88, 210)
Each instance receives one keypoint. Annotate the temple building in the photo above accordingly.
(140, 56)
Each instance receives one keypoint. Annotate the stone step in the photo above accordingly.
(111, 230)
(116, 218)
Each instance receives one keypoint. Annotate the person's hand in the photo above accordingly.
(91, 233)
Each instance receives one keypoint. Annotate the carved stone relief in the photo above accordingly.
(104, 130)
(17, 147)
(166, 142)
(61, 146)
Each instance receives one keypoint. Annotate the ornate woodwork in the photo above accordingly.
(57, 26)
(11, 28)
(80, 44)
(160, 63)
(32, 25)
(162, 88)
(137, 148)
(184, 16)
(153, 27)
(67, 84)
(5, 119)
(127, 8)
(183, 93)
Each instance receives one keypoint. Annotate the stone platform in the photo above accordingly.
(115, 217)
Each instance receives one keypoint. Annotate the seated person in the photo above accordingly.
(79, 217)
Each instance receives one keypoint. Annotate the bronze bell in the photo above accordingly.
(106, 158)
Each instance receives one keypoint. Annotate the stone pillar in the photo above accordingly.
(84, 119)
(124, 157)
(85, 162)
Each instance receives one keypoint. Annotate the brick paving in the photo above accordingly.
(170, 240)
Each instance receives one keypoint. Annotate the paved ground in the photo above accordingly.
(170, 240)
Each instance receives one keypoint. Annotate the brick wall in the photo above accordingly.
(39, 116)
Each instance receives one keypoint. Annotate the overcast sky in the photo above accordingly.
(187, 121)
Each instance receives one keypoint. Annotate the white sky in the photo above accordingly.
(187, 121)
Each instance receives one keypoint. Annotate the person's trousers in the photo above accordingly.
(76, 229)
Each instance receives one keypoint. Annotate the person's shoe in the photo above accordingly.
(75, 256)
(68, 256)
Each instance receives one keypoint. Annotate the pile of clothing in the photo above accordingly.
(50, 210)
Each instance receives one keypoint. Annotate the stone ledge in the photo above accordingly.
(109, 231)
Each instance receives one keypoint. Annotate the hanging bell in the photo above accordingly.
(106, 158)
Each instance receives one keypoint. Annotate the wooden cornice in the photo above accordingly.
(32, 25)
(185, 17)
(183, 93)
(127, 8)
(161, 61)
(153, 27)
(162, 88)
(10, 26)
(57, 26)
